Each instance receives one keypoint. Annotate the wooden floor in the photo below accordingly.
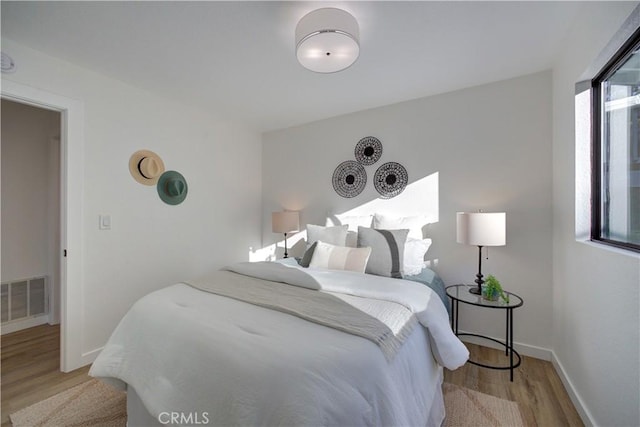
(31, 358)
(30, 370)
(536, 387)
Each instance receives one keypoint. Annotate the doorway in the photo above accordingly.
(71, 220)
(30, 152)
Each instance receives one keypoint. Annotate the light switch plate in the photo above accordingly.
(104, 222)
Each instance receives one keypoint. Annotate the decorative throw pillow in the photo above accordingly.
(413, 223)
(308, 254)
(414, 251)
(334, 235)
(387, 250)
(351, 221)
(334, 257)
(352, 239)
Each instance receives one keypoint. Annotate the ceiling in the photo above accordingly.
(237, 59)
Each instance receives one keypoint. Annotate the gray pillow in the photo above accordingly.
(308, 255)
(334, 235)
(387, 250)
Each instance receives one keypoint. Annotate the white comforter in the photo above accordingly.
(190, 351)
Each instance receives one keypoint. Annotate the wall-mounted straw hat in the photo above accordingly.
(146, 167)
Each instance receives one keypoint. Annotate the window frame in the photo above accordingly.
(619, 57)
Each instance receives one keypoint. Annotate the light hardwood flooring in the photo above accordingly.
(536, 386)
(30, 370)
(31, 358)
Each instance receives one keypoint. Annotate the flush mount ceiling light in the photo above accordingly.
(327, 40)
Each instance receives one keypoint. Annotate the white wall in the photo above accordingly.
(595, 312)
(30, 195)
(487, 147)
(151, 244)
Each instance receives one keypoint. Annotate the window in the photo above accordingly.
(616, 149)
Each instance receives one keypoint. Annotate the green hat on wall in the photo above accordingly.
(172, 187)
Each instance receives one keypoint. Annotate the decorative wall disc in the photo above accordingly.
(390, 179)
(349, 179)
(368, 150)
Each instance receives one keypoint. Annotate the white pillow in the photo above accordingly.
(414, 251)
(334, 235)
(340, 257)
(413, 223)
(352, 221)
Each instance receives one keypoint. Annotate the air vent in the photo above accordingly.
(24, 303)
(8, 66)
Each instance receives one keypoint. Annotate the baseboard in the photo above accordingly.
(523, 349)
(90, 356)
(584, 413)
(19, 325)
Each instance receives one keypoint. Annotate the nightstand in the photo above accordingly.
(460, 294)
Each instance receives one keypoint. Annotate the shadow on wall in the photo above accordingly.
(420, 198)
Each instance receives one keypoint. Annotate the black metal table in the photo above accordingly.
(461, 294)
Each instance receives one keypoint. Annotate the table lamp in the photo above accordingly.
(481, 229)
(285, 222)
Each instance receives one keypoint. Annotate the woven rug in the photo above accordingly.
(94, 403)
(471, 408)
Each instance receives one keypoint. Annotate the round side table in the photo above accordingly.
(460, 294)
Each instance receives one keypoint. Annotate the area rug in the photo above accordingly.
(471, 408)
(94, 403)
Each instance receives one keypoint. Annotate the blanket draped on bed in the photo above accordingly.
(385, 323)
(182, 349)
(448, 350)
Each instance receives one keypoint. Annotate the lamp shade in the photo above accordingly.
(284, 222)
(327, 40)
(482, 228)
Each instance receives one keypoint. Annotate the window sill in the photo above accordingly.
(609, 248)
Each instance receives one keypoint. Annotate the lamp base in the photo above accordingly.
(478, 289)
(286, 255)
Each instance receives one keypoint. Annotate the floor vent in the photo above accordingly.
(24, 303)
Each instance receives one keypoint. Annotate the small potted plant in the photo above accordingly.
(492, 290)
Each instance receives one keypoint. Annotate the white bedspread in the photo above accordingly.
(190, 351)
(419, 299)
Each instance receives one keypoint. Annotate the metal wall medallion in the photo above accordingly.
(368, 150)
(390, 179)
(349, 179)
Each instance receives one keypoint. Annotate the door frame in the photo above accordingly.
(71, 218)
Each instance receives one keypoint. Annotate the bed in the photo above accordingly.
(235, 348)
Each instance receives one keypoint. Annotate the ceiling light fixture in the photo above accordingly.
(327, 40)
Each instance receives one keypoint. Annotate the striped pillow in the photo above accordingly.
(339, 257)
(387, 250)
